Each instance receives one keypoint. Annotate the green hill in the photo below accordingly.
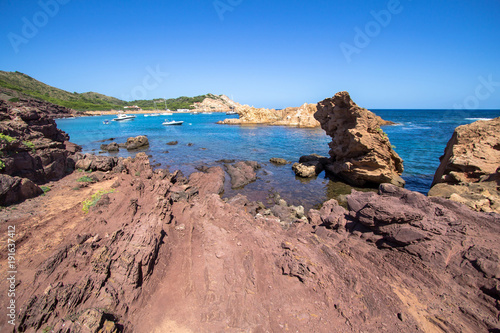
(16, 84)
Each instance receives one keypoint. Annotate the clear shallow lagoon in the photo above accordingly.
(420, 140)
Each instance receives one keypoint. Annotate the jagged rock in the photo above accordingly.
(111, 147)
(360, 151)
(96, 163)
(138, 142)
(209, 181)
(279, 161)
(300, 117)
(39, 151)
(16, 189)
(172, 143)
(242, 173)
(469, 172)
(308, 169)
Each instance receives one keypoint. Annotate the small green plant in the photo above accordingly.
(2, 165)
(47, 329)
(15, 99)
(393, 146)
(45, 188)
(30, 145)
(94, 199)
(6, 138)
(85, 179)
(138, 173)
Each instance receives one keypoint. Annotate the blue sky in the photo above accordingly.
(387, 54)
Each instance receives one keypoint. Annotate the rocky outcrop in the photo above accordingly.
(31, 145)
(242, 173)
(300, 117)
(215, 103)
(160, 249)
(279, 161)
(15, 189)
(138, 142)
(360, 151)
(469, 172)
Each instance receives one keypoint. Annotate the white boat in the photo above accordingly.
(154, 115)
(172, 122)
(123, 117)
(167, 114)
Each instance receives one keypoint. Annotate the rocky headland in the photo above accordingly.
(469, 172)
(127, 248)
(220, 103)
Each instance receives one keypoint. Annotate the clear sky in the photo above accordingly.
(266, 53)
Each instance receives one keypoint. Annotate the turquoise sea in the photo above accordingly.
(420, 139)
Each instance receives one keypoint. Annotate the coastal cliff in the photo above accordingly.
(360, 152)
(470, 167)
(216, 103)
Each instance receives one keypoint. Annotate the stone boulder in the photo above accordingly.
(16, 189)
(279, 161)
(242, 173)
(138, 142)
(361, 152)
(111, 147)
(469, 172)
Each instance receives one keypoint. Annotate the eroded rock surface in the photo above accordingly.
(360, 151)
(32, 147)
(159, 252)
(242, 173)
(469, 172)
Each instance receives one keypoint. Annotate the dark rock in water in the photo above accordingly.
(111, 147)
(242, 173)
(361, 153)
(15, 189)
(190, 144)
(138, 142)
(310, 166)
(469, 172)
(226, 161)
(279, 161)
(172, 143)
(110, 139)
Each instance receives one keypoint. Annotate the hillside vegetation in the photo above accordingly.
(17, 85)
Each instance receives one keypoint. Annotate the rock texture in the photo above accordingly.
(470, 167)
(242, 173)
(215, 103)
(32, 147)
(360, 151)
(300, 117)
(162, 253)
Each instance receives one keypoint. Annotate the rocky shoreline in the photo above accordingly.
(155, 247)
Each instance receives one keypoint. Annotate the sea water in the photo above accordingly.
(419, 138)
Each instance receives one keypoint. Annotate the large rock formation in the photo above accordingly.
(160, 253)
(360, 151)
(216, 103)
(31, 145)
(470, 167)
(300, 117)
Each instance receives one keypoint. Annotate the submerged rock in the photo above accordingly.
(469, 172)
(361, 153)
(279, 161)
(242, 173)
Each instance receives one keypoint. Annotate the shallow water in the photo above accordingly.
(420, 139)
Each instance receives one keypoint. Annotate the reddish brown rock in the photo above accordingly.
(469, 172)
(242, 173)
(360, 151)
